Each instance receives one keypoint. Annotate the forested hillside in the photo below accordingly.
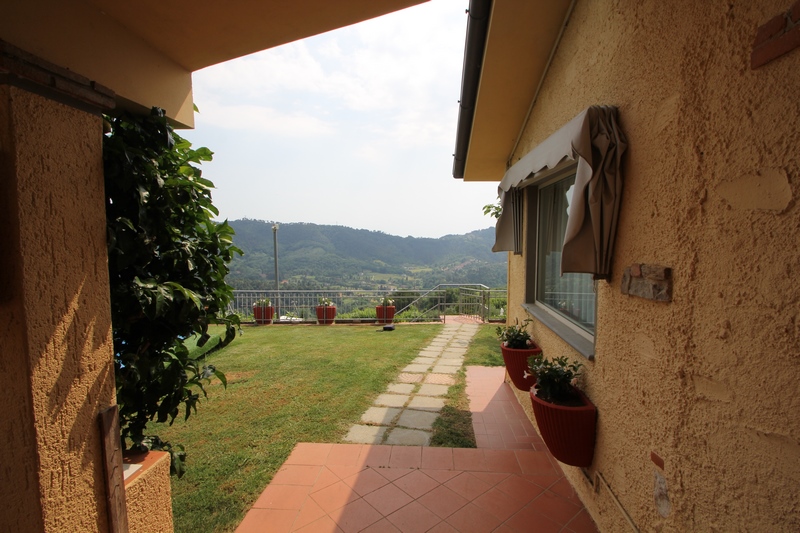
(312, 256)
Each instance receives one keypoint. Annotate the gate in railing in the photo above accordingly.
(359, 305)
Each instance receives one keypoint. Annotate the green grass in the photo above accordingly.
(286, 384)
(485, 348)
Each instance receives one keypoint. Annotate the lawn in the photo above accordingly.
(286, 384)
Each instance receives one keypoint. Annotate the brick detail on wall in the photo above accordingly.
(652, 282)
(777, 37)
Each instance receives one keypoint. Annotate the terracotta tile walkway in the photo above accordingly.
(509, 484)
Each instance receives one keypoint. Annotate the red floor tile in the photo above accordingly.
(365, 481)
(413, 518)
(509, 484)
(437, 458)
(280, 520)
(309, 454)
(388, 499)
(416, 484)
(282, 497)
(443, 501)
(405, 457)
(334, 497)
(297, 475)
(356, 516)
(472, 518)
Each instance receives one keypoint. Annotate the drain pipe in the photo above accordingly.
(598, 478)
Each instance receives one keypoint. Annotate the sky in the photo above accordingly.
(355, 127)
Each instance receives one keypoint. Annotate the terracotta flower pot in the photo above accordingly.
(326, 314)
(385, 314)
(263, 314)
(516, 360)
(568, 432)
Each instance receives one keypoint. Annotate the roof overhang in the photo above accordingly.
(146, 51)
(520, 39)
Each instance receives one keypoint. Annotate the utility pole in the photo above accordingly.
(275, 241)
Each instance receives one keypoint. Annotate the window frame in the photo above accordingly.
(580, 339)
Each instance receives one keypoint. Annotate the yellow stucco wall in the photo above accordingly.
(148, 496)
(708, 382)
(56, 329)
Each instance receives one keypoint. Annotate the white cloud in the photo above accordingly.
(262, 119)
(362, 116)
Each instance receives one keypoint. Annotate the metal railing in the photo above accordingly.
(298, 306)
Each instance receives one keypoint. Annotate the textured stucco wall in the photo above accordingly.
(708, 382)
(148, 496)
(57, 340)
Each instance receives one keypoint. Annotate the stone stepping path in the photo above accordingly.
(405, 413)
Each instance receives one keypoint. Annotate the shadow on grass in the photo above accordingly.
(453, 429)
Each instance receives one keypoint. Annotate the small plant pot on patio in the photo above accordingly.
(263, 312)
(385, 314)
(567, 419)
(326, 312)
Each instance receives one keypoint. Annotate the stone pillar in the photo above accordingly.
(56, 358)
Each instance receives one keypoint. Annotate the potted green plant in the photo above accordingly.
(263, 311)
(517, 346)
(567, 419)
(326, 311)
(385, 311)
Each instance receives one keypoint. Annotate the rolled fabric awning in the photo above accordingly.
(596, 141)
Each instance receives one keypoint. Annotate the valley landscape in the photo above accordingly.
(313, 256)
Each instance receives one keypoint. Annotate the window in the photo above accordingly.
(565, 303)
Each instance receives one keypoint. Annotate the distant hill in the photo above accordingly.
(312, 256)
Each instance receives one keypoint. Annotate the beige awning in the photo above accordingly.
(595, 140)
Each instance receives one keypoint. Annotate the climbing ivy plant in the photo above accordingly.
(167, 261)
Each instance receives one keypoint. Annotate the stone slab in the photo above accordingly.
(380, 415)
(400, 388)
(426, 403)
(446, 369)
(424, 360)
(366, 434)
(408, 437)
(391, 400)
(417, 419)
(433, 390)
(417, 368)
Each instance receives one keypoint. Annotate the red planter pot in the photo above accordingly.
(326, 314)
(568, 432)
(263, 315)
(385, 314)
(516, 360)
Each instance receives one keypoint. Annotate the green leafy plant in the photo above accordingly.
(554, 379)
(167, 262)
(326, 302)
(493, 210)
(515, 336)
(263, 302)
(386, 301)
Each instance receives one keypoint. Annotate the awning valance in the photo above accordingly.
(595, 140)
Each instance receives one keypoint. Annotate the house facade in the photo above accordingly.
(691, 340)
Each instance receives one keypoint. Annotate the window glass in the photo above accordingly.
(571, 295)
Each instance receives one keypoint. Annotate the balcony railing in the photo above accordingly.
(432, 305)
